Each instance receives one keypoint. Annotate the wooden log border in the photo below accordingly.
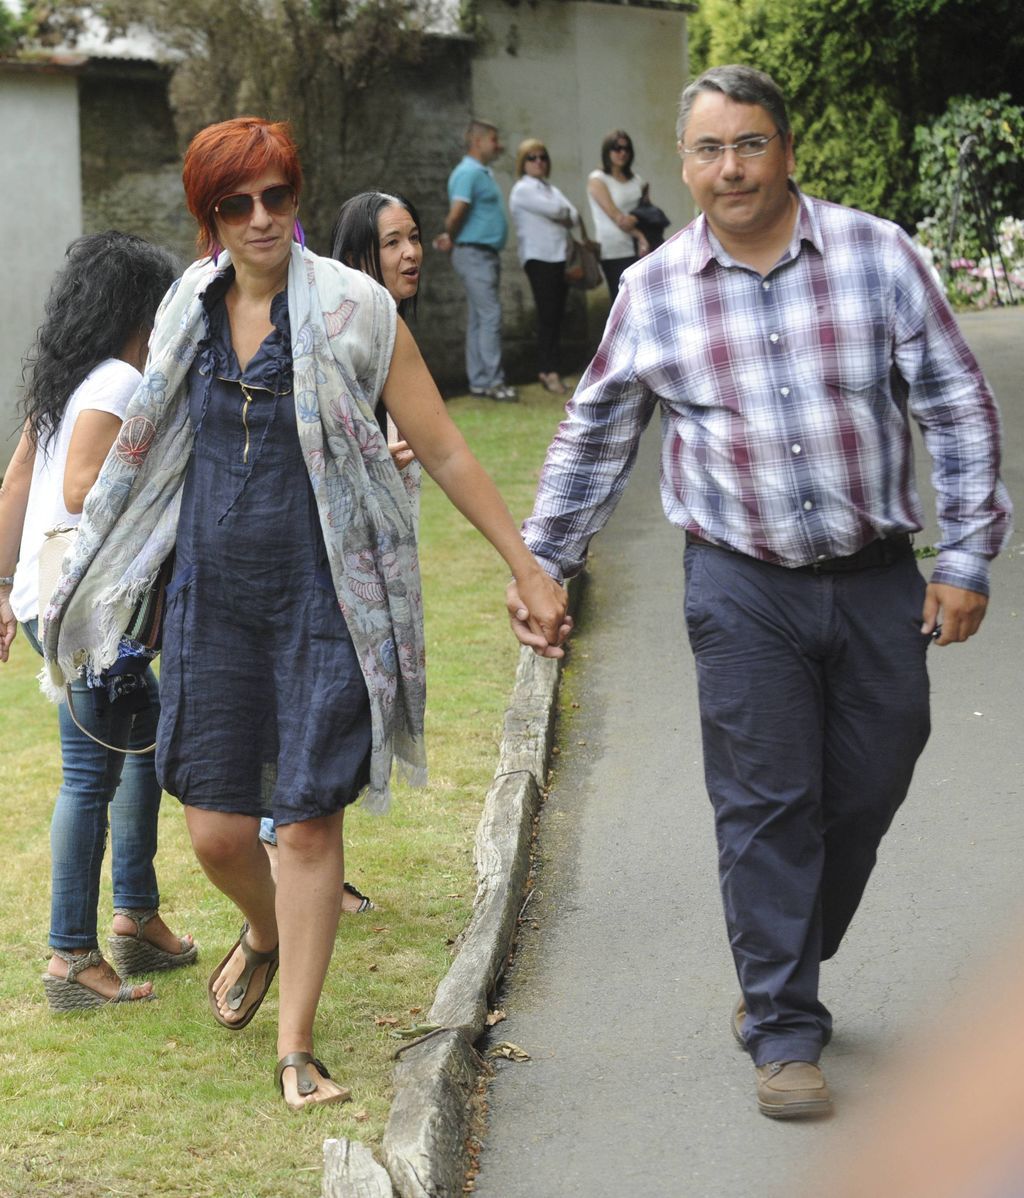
(424, 1140)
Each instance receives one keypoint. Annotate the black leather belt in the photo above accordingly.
(475, 245)
(883, 552)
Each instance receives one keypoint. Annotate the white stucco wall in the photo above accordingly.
(40, 211)
(578, 71)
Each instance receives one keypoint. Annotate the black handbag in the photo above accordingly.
(650, 220)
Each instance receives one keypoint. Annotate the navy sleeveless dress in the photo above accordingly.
(264, 707)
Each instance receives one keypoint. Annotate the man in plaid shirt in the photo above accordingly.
(788, 342)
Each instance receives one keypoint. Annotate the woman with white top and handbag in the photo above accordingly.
(543, 217)
(84, 369)
(614, 192)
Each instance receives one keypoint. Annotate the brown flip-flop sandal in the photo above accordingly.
(300, 1062)
(240, 990)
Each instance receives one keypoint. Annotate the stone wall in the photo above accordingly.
(563, 70)
(131, 166)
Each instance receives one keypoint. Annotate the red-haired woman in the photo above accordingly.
(293, 662)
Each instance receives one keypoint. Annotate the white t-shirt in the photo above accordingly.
(108, 388)
(625, 196)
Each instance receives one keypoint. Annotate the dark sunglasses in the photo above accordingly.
(541, 157)
(621, 145)
(239, 206)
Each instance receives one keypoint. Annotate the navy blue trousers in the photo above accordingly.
(813, 694)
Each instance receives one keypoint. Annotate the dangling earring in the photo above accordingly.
(300, 235)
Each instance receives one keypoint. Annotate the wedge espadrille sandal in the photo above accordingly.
(69, 994)
(134, 954)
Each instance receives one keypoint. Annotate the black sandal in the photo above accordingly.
(364, 903)
(240, 990)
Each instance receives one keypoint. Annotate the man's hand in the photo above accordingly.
(955, 612)
(543, 627)
(442, 242)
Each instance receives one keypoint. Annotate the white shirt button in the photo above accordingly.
(808, 505)
(784, 391)
(822, 557)
(774, 337)
(765, 284)
(795, 448)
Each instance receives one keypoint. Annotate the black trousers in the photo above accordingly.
(547, 282)
(613, 268)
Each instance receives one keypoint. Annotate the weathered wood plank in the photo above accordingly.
(425, 1137)
(502, 854)
(530, 717)
(350, 1171)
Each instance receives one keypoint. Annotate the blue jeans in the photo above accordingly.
(814, 709)
(480, 272)
(96, 779)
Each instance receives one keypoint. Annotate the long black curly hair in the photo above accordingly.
(108, 291)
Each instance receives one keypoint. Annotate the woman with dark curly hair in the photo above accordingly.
(82, 372)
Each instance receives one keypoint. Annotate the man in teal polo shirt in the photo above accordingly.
(475, 231)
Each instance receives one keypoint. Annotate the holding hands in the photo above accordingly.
(537, 610)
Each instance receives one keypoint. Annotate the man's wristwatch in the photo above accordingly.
(6, 580)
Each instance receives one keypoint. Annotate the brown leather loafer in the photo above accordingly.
(792, 1090)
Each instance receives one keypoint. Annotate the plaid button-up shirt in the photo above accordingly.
(785, 403)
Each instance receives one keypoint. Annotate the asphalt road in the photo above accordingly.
(622, 985)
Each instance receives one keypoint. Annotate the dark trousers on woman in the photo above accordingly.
(613, 268)
(813, 697)
(547, 281)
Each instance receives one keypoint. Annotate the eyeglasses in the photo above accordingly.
(746, 147)
(541, 157)
(238, 207)
(621, 147)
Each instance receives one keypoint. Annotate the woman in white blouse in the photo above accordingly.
(543, 217)
(614, 192)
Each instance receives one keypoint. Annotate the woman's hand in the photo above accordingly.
(626, 222)
(643, 246)
(401, 454)
(8, 624)
(537, 612)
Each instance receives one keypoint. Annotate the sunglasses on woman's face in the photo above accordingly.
(541, 157)
(238, 207)
(622, 147)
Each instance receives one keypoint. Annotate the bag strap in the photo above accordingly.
(112, 748)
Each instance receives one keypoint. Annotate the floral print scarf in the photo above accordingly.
(343, 332)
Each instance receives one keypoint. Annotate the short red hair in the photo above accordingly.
(222, 157)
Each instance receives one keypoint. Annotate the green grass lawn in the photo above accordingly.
(155, 1098)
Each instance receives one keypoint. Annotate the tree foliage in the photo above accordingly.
(972, 157)
(306, 61)
(861, 75)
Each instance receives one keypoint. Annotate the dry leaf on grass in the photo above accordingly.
(361, 1116)
(385, 1021)
(494, 1017)
(510, 1051)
